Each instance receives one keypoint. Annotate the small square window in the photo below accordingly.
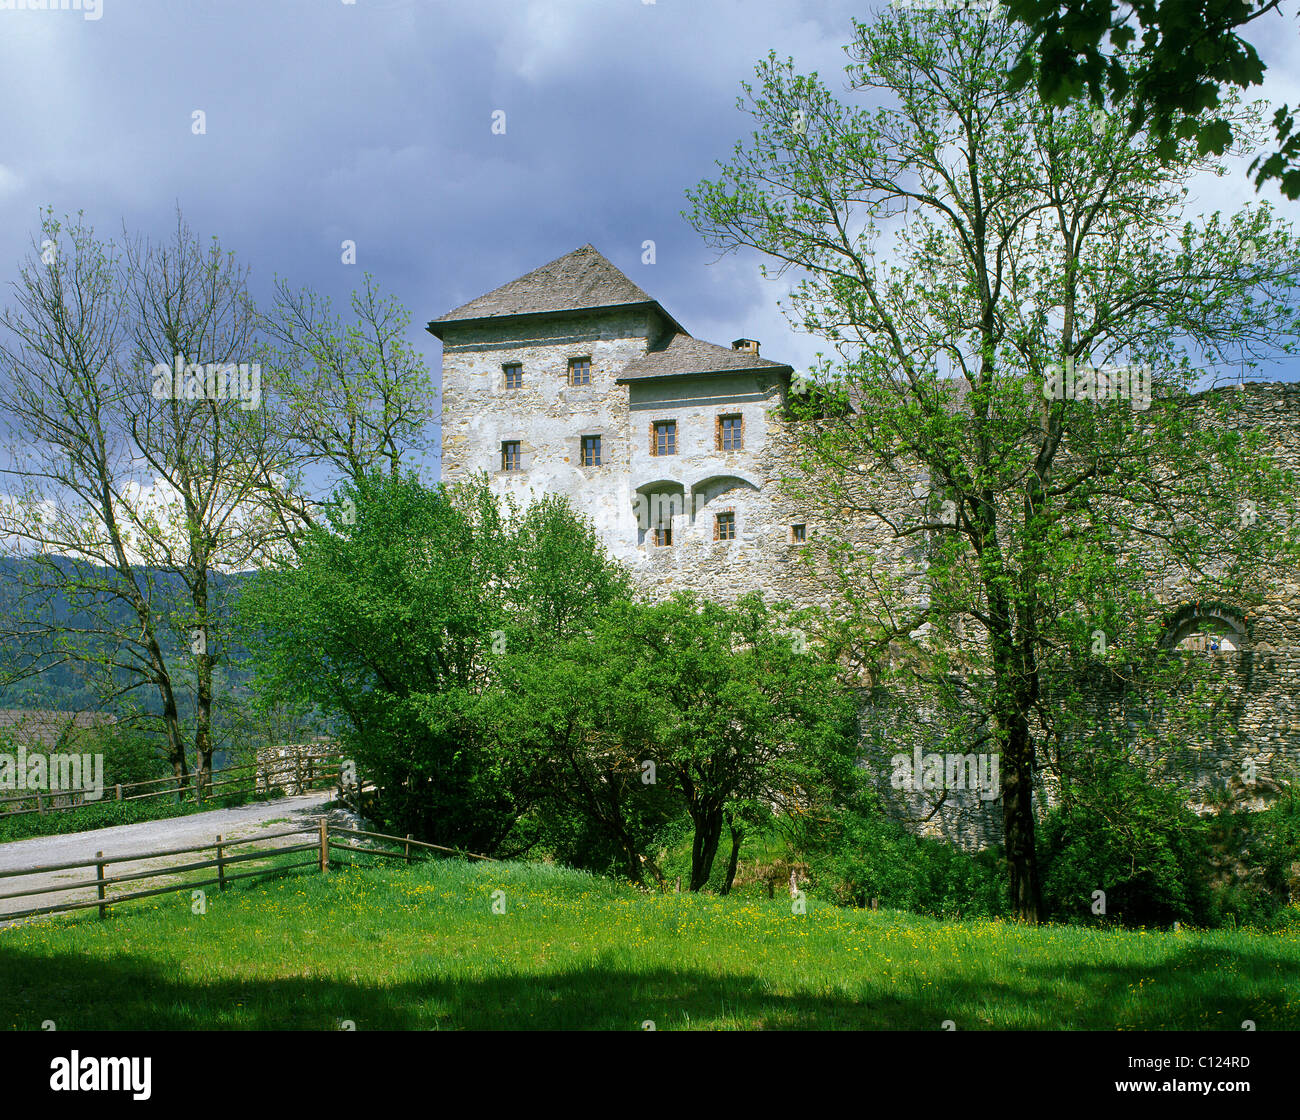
(798, 533)
(579, 371)
(663, 437)
(591, 451)
(514, 376)
(511, 458)
(663, 535)
(724, 527)
(730, 433)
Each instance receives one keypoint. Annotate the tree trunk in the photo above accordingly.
(1012, 671)
(1018, 821)
(737, 837)
(708, 831)
(203, 723)
(204, 657)
(172, 727)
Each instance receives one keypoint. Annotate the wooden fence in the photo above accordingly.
(320, 845)
(303, 772)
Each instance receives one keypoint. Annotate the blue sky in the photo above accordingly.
(372, 122)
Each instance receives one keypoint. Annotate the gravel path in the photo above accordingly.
(242, 823)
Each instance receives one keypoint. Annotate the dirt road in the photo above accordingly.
(243, 823)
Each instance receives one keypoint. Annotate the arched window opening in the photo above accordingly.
(1208, 629)
(655, 506)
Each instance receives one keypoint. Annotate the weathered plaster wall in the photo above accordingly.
(547, 416)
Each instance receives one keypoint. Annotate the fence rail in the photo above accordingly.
(302, 772)
(320, 845)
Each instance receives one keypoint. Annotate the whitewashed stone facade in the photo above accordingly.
(641, 374)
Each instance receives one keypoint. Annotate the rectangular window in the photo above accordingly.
(798, 533)
(579, 371)
(511, 459)
(663, 437)
(663, 535)
(514, 376)
(724, 527)
(591, 451)
(730, 429)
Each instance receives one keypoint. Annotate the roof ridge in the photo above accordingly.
(582, 279)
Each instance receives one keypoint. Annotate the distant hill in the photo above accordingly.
(70, 687)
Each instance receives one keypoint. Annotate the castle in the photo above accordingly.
(573, 380)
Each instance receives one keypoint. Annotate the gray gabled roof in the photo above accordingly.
(579, 281)
(682, 355)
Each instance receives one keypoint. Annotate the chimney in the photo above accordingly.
(748, 345)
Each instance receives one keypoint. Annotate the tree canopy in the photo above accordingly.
(1010, 472)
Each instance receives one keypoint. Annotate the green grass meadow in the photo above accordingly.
(421, 948)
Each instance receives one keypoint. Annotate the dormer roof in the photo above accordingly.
(681, 356)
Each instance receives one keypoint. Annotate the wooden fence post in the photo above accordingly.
(324, 844)
(40, 805)
(408, 847)
(221, 865)
(119, 791)
(297, 771)
(99, 883)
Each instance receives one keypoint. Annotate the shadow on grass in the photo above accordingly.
(132, 993)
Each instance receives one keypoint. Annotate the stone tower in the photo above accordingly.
(573, 380)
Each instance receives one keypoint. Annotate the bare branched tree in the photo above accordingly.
(136, 465)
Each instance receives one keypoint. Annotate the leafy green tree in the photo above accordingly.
(731, 704)
(562, 711)
(966, 250)
(393, 619)
(1171, 82)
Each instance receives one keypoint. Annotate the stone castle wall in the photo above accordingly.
(628, 494)
(547, 415)
(1250, 750)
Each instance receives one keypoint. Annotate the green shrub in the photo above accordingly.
(394, 623)
(864, 855)
(1266, 847)
(130, 755)
(1132, 839)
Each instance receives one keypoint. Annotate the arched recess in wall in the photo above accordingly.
(718, 486)
(656, 504)
(1207, 627)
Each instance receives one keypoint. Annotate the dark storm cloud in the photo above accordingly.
(372, 122)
